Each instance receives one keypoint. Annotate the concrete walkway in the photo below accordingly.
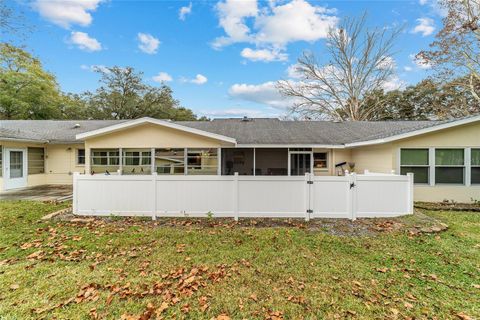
(48, 192)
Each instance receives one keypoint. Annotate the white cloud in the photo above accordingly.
(232, 15)
(425, 26)
(423, 2)
(297, 20)
(407, 68)
(162, 77)
(387, 62)
(273, 26)
(394, 83)
(84, 42)
(265, 93)
(292, 72)
(265, 55)
(148, 43)
(199, 79)
(67, 12)
(184, 11)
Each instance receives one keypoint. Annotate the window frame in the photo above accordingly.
(467, 165)
(428, 165)
(31, 161)
(463, 166)
(327, 156)
(470, 181)
(109, 158)
(77, 157)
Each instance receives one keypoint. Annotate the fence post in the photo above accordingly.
(308, 182)
(410, 192)
(75, 193)
(154, 204)
(353, 195)
(235, 196)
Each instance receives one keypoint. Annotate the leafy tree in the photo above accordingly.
(428, 100)
(124, 95)
(26, 90)
(360, 63)
(455, 53)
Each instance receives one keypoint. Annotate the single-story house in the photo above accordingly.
(443, 155)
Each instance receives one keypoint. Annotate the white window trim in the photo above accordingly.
(429, 165)
(452, 166)
(84, 157)
(467, 166)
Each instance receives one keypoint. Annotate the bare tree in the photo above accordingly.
(360, 63)
(455, 52)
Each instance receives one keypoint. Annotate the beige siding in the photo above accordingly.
(339, 155)
(153, 136)
(374, 158)
(150, 136)
(385, 157)
(60, 163)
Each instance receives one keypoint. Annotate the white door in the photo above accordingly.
(15, 173)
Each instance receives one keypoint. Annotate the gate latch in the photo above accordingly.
(352, 185)
(309, 182)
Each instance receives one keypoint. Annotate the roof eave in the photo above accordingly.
(23, 140)
(415, 132)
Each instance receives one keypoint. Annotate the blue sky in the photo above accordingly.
(221, 58)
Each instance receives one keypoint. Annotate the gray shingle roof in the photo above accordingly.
(255, 131)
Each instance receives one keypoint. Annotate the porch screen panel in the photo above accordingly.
(137, 161)
(202, 161)
(237, 160)
(36, 160)
(415, 161)
(271, 161)
(170, 161)
(103, 160)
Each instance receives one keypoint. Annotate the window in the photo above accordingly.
(449, 166)
(415, 161)
(202, 161)
(36, 160)
(170, 161)
(137, 161)
(81, 157)
(104, 160)
(320, 160)
(475, 166)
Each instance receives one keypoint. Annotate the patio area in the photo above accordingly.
(54, 193)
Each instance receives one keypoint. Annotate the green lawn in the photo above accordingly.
(69, 270)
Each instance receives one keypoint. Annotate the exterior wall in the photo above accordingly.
(338, 156)
(149, 136)
(385, 157)
(60, 163)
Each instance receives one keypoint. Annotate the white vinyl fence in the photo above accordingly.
(351, 196)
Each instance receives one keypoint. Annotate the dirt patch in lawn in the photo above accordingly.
(448, 206)
(413, 224)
